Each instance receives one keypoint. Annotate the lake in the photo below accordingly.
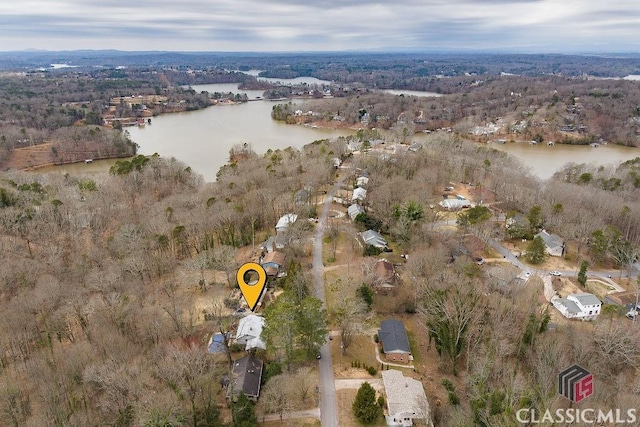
(202, 139)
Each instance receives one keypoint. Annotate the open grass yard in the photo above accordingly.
(345, 400)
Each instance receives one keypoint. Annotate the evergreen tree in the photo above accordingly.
(365, 407)
(536, 251)
(582, 274)
(244, 414)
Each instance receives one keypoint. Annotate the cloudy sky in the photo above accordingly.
(322, 25)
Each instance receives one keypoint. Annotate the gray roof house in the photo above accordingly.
(395, 342)
(578, 306)
(373, 238)
(246, 377)
(354, 210)
(553, 243)
(406, 400)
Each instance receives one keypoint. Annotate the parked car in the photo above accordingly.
(555, 273)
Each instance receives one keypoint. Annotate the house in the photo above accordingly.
(354, 210)
(373, 238)
(285, 221)
(249, 332)
(385, 276)
(361, 181)
(273, 243)
(454, 204)
(554, 244)
(246, 377)
(216, 343)
(406, 400)
(359, 194)
(578, 306)
(395, 344)
(273, 262)
(627, 299)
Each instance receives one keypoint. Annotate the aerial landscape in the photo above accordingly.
(339, 214)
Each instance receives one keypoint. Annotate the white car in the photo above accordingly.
(525, 275)
(555, 273)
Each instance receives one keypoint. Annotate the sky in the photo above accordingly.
(526, 26)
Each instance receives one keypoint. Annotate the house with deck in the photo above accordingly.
(406, 400)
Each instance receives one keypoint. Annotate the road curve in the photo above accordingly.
(328, 403)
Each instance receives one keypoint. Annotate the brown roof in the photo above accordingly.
(274, 257)
(384, 272)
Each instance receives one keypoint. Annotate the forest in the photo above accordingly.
(113, 284)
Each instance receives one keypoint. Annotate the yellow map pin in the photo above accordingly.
(251, 290)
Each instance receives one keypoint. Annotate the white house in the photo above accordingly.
(361, 181)
(249, 331)
(554, 244)
(455, 204)
(578, 306)
(285, 221)
(406, 400)
(359, 194)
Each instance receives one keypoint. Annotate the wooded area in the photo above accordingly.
(105, 305)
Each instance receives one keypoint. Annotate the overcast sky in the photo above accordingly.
(322, 25)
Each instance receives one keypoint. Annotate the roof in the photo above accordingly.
(571, 306)
(278, 241)
(373, 238)
(249, 332)
(359, 194)
(216, 343)
(393, 336)
(404, 394)
(362, 180)
(453, 204)
(285, 221)
(354, 210)
(550, 240)
(585, 299)
(275, 257)
(384, 272)
(246, 377)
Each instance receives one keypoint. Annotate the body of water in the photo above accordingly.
(545, 160)
(202, 139)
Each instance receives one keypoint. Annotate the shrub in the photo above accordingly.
(372, 371)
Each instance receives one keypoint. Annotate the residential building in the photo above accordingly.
(578, 306)
(455, 204)
(373, 238)
(285, 221)
(216, 343)
(246, 377)
(385, 276)
(273, 263)
(249, 332)
(406, 400)
(359, 194)
(554, 245)
(395, 343)
(354, 210)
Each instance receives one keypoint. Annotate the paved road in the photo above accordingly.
(328, 404)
